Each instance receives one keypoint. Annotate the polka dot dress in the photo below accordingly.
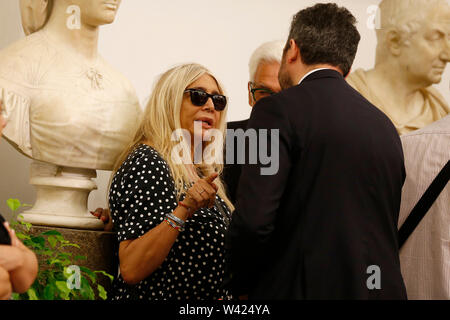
(142, 193)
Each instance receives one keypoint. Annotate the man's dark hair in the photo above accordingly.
(326, 33)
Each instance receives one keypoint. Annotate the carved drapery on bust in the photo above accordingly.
(61, 110)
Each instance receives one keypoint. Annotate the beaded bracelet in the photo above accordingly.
(173, 225)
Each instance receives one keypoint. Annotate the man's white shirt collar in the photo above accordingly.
(312, 71)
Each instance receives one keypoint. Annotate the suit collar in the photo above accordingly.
(322, 73)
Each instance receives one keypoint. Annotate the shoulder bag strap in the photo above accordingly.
(424, 204)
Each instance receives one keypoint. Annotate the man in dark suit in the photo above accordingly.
(325, 225)
(263, 66)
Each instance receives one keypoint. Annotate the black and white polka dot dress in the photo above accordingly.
(142, 193)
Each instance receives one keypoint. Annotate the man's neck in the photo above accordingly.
(82, 41)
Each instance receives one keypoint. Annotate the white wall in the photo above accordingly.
(148, 37)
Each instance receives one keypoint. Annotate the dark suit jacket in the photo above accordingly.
(232, 171)
(314, 229)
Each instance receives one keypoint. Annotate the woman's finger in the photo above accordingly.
(212, 184)
(211, 177)
(207, 188)
(97, 213)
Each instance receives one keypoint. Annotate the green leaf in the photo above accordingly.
(27, 225)
(80, 258)
(52, 240)
(66, 262)
(13, 204)
(22, 236)
(86, 290)
(51, 233)
(46, 252)
(63, 289)
(49, 291)
(15, 296)
(64, 255)
(57, 262)
(38, 240)
(32, 294)
(70, 245)
(106, 275)
(90, 273)
(102, 292)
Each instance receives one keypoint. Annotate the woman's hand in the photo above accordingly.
(202, 194)
(104, 215)
(11, 256)
(20, 262)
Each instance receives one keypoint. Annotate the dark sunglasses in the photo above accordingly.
(200, 97)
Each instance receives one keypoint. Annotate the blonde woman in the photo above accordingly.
(170, 215)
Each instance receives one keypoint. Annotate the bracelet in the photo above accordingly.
(173, 225)
(184, 206)
(177, 220)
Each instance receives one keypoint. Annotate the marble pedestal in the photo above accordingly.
(61, 197)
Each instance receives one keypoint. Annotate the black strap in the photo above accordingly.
(424, 204)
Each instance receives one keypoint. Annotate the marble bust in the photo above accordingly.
(66, 107)
(412, 52)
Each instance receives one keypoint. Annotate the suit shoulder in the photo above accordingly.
(242, 124)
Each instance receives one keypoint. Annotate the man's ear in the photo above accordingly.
(251, 101)
(393, 42)
(293, 53)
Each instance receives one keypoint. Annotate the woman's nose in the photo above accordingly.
(209, 105)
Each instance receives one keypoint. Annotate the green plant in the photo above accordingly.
(56, 277)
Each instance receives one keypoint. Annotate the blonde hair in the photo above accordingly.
(162, 117)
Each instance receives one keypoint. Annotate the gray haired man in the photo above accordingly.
(264, 65)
